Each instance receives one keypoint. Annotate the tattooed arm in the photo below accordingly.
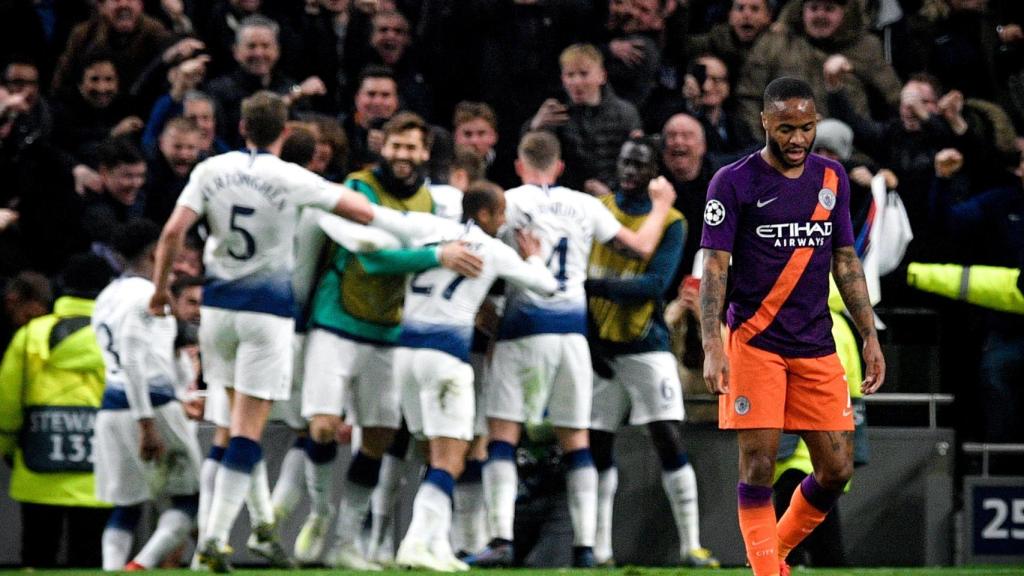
(849, 278)
(712, 299)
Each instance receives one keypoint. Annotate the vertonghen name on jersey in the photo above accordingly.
(274, 195)
(562, 210)
(796, 234)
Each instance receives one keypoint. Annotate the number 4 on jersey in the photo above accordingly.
(562, 250)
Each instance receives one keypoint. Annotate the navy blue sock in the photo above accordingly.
(242, 454)
(321, 453)
(125, 517)
(676, 463)
(216, 453)
(473, 473)
(364, 470)
(501, 450)
(189, 504)
(579, 459)
(442, 479)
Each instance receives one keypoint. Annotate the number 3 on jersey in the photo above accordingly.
(238, 212)
(561, 250)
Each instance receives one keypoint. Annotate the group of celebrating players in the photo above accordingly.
(357, 302)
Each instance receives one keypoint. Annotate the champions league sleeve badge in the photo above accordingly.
(827, 199)
(714, 213)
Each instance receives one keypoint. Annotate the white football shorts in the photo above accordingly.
(248, 351)
(541, 374)
(644, 386)
(438, 399)
(343, 375)
(123, 479)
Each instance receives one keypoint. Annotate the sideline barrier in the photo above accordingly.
(898, 512)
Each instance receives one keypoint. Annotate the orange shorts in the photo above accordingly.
(767, 390)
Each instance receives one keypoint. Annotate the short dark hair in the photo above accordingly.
(787, 88)
(85, 275)
(929, 79)
(114, 152)
(135, 238)
(646, 141)
(405, 121)
(331, 133)
(465, 158)
(375, 71)
(264, 114)
(300, 145)
(480, 195)
(539, 149)
(467, 111)
(182, 282)
(90, 59)
(30, 286)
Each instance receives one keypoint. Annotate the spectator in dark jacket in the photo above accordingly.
(39, 211)
(991, 225)
(970, 45)
(591, 125)
(93, 110)
(324, 33)
(475, 126)
(121, 27)
(376, 101)
(390, 42)
(167, 171)
(812, 33)
(35, 119)
(256, 52)
(684, 156)
(632, 54)
(907, 145)
(516, 65)
(122, 170)
(732, 41)
(707, 96)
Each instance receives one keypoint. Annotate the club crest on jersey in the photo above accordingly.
(827, 199)
(714, 213)
(742, 405)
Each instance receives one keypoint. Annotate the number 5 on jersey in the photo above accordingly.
(237, 213)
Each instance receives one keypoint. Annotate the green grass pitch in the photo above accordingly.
(966, 571)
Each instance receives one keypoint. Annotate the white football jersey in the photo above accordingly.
(567, 223)
(440, 305)
(251, 203)
(309, 243)
(447, 201)
(138, 348)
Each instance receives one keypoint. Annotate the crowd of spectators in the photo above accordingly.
(107, 105)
